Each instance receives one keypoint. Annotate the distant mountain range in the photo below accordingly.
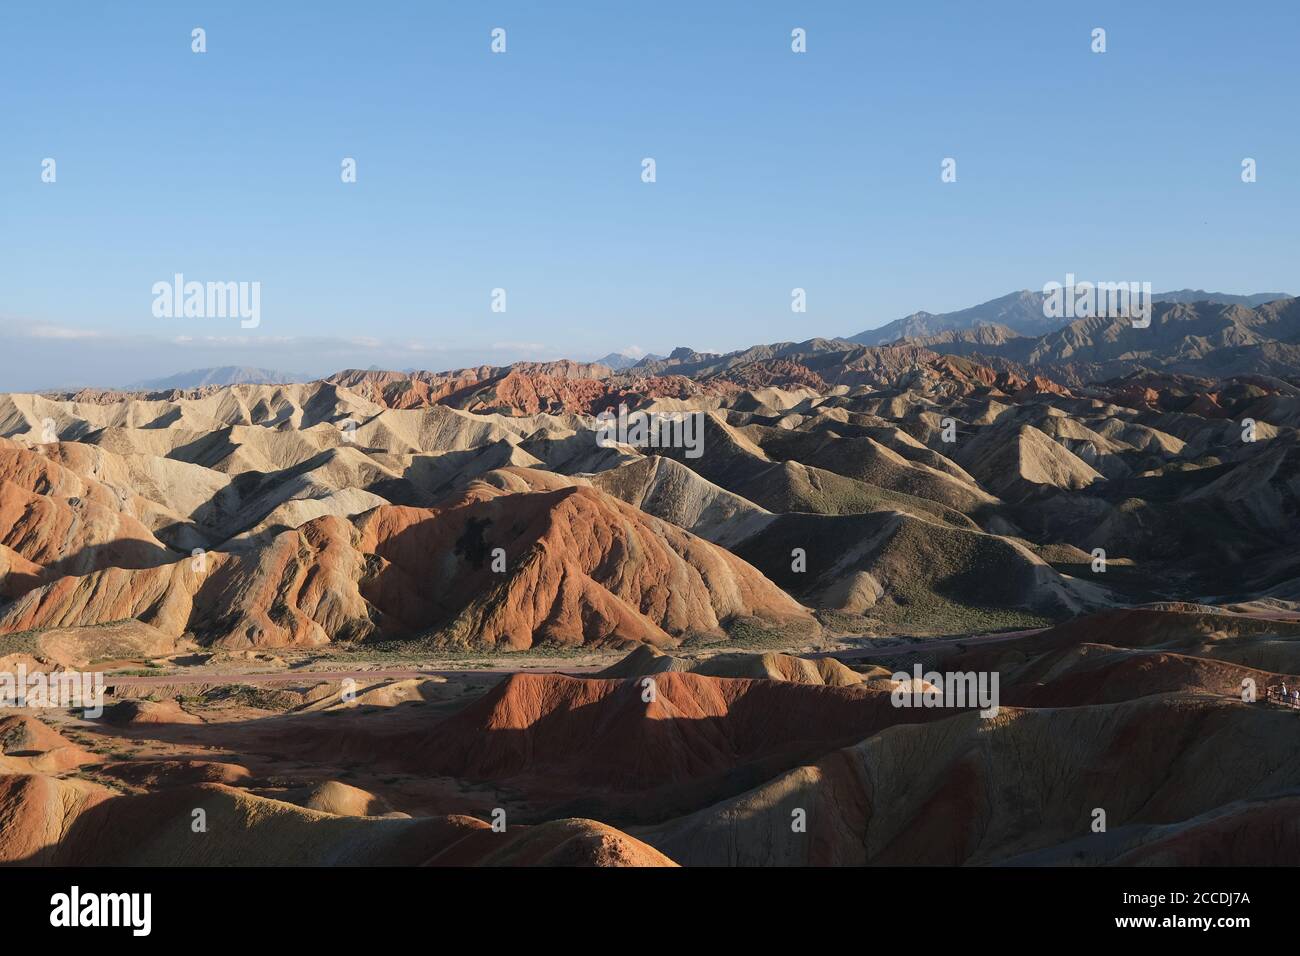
(1022, 312)
(223, 375)
(1193, 331)
(621, 360)
(1214, 340)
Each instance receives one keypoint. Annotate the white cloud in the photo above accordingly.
(46, 331)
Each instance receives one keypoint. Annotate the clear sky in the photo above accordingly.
(522, 171)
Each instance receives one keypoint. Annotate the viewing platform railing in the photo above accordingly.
(1274, 695)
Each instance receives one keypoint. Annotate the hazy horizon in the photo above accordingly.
(55, 343)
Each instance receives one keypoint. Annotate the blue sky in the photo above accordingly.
(523, 171)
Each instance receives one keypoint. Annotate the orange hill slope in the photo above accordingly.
(579, 567)
(64, 822)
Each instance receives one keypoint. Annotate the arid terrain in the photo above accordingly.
(424, 617)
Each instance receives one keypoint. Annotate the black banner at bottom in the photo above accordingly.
(344, 906)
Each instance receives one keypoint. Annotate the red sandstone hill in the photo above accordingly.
(603, 733)
(525, 388)
(580, 567)
(598, 747)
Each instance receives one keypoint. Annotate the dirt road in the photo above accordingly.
(361, 676)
